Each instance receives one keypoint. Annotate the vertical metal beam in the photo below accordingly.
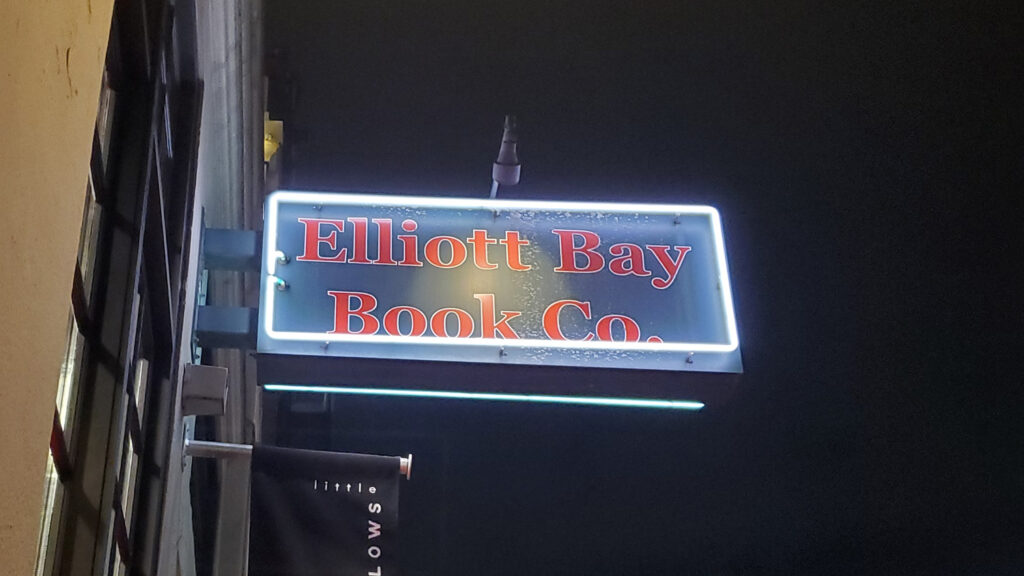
(158, 276)
(175, 554)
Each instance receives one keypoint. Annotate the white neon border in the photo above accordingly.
(345, 199)
(583, 400)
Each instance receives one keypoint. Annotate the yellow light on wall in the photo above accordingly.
(273, 136)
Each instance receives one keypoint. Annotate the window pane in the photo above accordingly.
(53, 501)
(129, 469)
(53, 490)
(87, 242)
(112, 553)
(141, 388)
(70, 370)
(105, 118)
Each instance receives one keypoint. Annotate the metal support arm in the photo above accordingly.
(203, 449)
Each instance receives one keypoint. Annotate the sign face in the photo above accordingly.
(497, 281)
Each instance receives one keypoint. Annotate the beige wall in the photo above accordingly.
(50, 68)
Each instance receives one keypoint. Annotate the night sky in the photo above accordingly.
(867, 163)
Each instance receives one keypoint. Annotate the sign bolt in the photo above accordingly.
(280, 284)
(689, 358)
(282, 258)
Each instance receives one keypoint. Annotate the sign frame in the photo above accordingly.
(497, 350)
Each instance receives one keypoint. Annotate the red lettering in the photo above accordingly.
(313, 240)
(631, 328)
(343, 312)
(480, 241)
(671, 266)
(439, 323)
(488, 326)
(512, 245)
(409, 245)
(416, 317)
(384, 242)
(630, 254)
(432, 251)
(552, 325)
(359, 241)
(569, 251)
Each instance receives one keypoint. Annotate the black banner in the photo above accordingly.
(323, 513)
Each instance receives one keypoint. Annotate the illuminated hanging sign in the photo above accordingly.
(497, 281)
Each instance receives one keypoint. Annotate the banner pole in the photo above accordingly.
(205, 449)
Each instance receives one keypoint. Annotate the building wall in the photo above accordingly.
(229, 185)
(50, 72)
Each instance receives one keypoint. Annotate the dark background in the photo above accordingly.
(866, 160)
